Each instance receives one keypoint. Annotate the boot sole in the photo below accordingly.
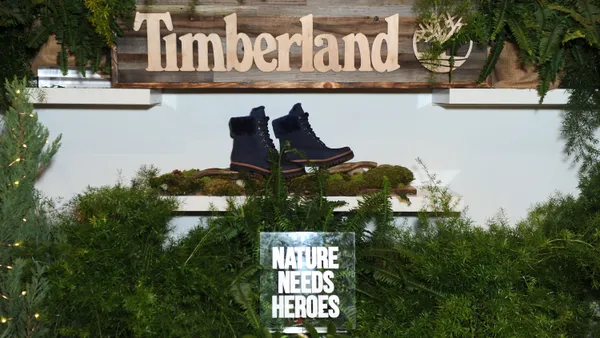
(328, 162)
(261, 172)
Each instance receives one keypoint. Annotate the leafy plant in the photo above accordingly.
(543, 32)
(85, 29)
(109, 262)
(16, 19)
(581, 118)
(445, 27)
(24, 221)
(107, 15)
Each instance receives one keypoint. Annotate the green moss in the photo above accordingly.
(360, 178)
(190, 172)
(306, 184)
(186, 182)
(178, 183)
(342, 185)
(222, 187)
(254, 186)
(373, 179)
(335, 177)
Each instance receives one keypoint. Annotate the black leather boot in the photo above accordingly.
(295, 129)
(253, 147)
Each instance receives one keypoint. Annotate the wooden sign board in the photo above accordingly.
(291, 44)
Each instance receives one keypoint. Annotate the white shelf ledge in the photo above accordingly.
(498, 97)
(192, 204)
(95, 97)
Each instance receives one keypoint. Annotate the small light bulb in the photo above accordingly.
(31, 115)
(37, 315)
(24, 219)
(24, 146)
(18, 91)
(18, 159)
(9, 267)
(46, 141)
(16, 182)
(3, 320)
(23, 293)
(17, 244)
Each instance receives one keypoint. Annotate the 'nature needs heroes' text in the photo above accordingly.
(305, 293)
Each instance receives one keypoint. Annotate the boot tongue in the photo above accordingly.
(258, 112)
(297, 110)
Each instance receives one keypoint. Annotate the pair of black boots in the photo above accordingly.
(253, 147)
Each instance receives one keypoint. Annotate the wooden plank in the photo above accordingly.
(318, 11)
(335, 18)
(401, 75)
(246, 2)
(407, 61)
(404, 75)
(275, 2)
(286, 86)
(338, 26)
(133, 75)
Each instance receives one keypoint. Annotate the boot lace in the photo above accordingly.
(308, 128)
(263, 132)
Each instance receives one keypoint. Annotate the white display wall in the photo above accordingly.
(494, 156)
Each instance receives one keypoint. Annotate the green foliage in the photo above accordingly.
(118, 274)
(84, 28)
(24, 224)
(582, 114)
(109, 263)
(434, 13)
(70, 21)
(104, 16)
(16, 18)
(192, 4)
(559, 38)
(543, 31)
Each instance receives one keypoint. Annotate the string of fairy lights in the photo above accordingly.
(19, 159)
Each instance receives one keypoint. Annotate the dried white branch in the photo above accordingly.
(438, 28)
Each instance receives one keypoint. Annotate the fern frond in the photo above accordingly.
(572, 13)
(591, 35)
(311, 330)
(492, 59)
(63, 60)
(245, 273)
(39, 35)
(591, 11)
(242, 294)
(501, 16)
(573, 35)
(549, 44)
(520, 35)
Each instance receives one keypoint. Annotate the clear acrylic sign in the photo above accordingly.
(308, 277)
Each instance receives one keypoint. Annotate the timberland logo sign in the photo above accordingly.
(254, 53)
(307, 277)
(270, 44)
